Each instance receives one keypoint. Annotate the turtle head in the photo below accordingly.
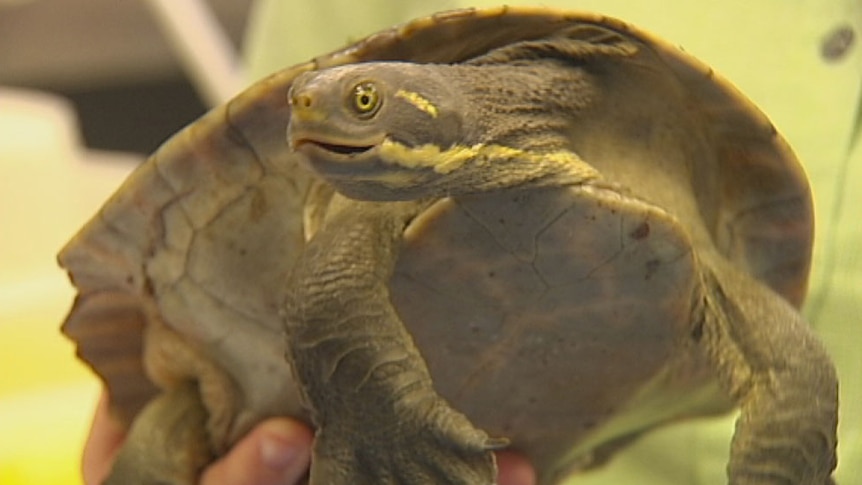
(403, 131)
(380, 131)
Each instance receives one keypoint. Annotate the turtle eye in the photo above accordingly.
(366, 100)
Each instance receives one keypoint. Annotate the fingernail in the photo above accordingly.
(284, 447)
(278, 453)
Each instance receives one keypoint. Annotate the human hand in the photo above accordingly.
(276, 452)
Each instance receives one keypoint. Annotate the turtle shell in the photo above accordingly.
(193, 250)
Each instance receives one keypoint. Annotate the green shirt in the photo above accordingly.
(773, 51)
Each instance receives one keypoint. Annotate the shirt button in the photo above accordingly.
(837, 43)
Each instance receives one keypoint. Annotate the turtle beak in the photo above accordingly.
(304, 104)
(305, 111)
(315, 127)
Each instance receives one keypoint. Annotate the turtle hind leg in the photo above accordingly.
(784, 382)
(168, 443)
(441, 448)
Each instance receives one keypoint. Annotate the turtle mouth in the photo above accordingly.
(334, 148)
(331, 156)
(338, 149)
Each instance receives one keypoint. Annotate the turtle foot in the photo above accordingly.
(167, 444)
(442, 449)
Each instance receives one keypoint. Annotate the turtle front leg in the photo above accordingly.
(379, 419)
(168, 443)
(783, 380)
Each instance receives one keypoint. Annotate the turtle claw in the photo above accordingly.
(443, 450)
(413, 463)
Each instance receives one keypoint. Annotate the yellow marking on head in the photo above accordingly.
(446, 161)
(308, 115)
(417, 100)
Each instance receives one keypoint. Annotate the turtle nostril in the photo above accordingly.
(301, 101)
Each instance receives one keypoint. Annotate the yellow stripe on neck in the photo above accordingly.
(446, 161)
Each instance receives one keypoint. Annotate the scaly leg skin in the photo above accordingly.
(167, 444)
(783, 380)
(379, 419)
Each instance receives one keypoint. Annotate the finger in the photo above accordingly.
(276, 452)
(105, 438)
(514, 469)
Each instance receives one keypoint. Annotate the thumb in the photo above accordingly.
(514, 469)
(276, 452)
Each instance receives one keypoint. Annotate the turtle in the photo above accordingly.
(513, 226)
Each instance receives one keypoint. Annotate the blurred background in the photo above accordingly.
(113, 60)
(88, 87)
